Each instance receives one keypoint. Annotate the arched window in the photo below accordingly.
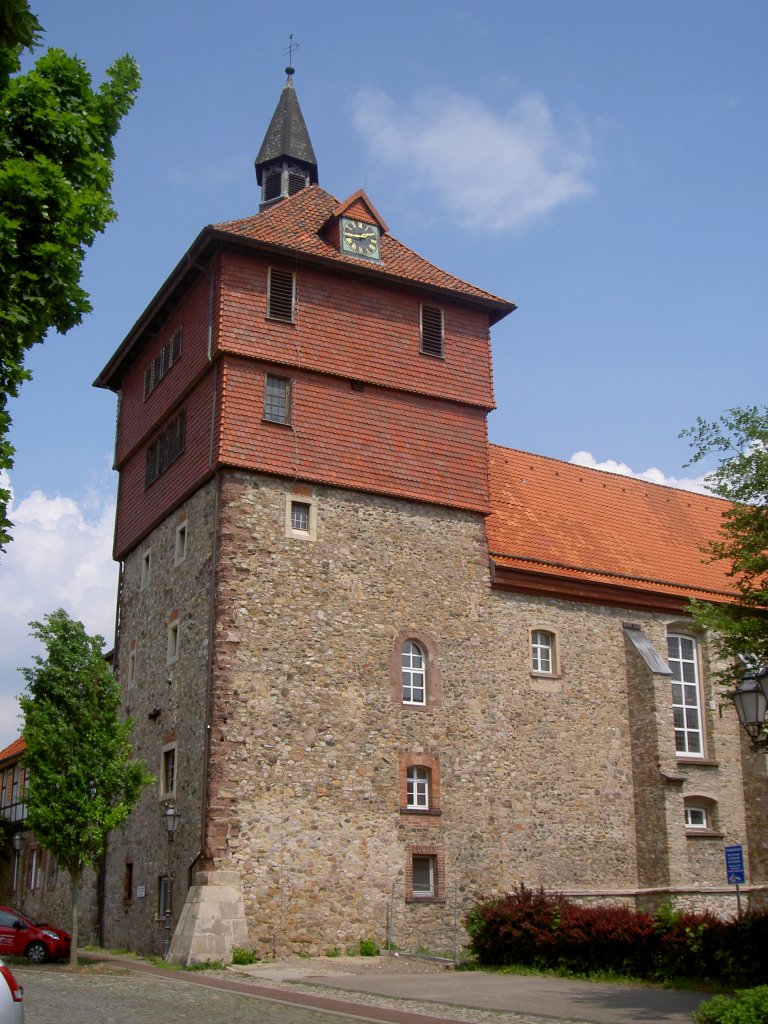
(414, 670)
(417, 788)
(543, 652)
(686, 695)
(413, 674)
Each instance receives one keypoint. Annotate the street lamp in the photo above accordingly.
(17, 842)
(751, 700)
(171, 821)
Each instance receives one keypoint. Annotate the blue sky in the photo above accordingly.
(601, 164)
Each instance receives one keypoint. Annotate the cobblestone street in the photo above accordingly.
(56, 995)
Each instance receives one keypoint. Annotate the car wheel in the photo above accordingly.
(37, 952)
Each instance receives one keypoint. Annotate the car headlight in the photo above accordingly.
(50, 935)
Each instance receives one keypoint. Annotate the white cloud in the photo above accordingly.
(60, 557)
(495, 171)
(652, 475)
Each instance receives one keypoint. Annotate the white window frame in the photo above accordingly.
(687, 703)
(180, 543)
(425, 891)
(417, 787)
(693, 810)
(413, 661)
(169, 753)
(543, 652)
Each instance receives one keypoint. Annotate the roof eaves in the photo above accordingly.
(187, 265)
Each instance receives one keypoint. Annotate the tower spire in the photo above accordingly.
(286, 161)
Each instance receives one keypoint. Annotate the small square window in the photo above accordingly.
(173, 641)
(146, 566)
(300, 516)
(277, 399)
(423, 872)
(180, 547)
(696, 817)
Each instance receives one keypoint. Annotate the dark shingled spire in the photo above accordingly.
(287, 140)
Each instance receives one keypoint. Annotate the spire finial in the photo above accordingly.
(289, 49)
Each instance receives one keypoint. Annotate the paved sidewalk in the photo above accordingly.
(423, 992)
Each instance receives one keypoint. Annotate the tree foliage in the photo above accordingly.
(740, 440)
(56, 156)
(82, 779)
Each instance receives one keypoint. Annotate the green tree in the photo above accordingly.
(82, 779)
(56, 158)
(739, 439)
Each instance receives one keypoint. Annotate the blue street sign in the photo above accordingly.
(734, 865)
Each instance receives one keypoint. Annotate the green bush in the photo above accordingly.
(243, 957)
(747, 1006)
(368, 947)
(333, 951)
(533, 928)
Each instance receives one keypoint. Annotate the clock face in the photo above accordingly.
(360, 239)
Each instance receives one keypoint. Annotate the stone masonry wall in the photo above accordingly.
(535, 773)
(167, 700)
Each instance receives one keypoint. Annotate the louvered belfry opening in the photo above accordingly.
(280, 299)
(431, 331)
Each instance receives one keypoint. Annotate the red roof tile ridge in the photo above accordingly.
(13, 749)
(632, 480)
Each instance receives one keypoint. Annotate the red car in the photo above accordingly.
(19, 936)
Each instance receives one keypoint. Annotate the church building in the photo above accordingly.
(378, 665)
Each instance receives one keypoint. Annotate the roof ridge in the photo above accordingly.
(634, 480)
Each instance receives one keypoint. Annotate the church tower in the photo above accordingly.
(301, 444)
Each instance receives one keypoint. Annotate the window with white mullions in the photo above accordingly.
(417, 792)
(696, 817)
(413, 673)
(686, 695)
(542, 647)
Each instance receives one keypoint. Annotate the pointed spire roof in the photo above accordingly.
(287, 136)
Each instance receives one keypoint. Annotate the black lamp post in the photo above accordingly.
(171, 820)
(751, 700)
(17, 842)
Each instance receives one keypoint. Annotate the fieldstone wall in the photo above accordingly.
(568, 780)
(167, 699)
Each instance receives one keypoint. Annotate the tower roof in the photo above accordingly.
(287, 137)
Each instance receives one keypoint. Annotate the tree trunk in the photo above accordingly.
(74, 876)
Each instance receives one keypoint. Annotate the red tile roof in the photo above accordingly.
(297, 223)
(15, 749)
(559, 520)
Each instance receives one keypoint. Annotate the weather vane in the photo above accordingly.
(289, 49)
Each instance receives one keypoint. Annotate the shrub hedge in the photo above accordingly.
(534, 928)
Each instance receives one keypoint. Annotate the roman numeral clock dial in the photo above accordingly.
(360, 239)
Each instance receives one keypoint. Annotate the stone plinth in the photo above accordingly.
(212, 922)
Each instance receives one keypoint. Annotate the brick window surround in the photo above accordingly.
(431, 652)
(428, 815)
(425, 850)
